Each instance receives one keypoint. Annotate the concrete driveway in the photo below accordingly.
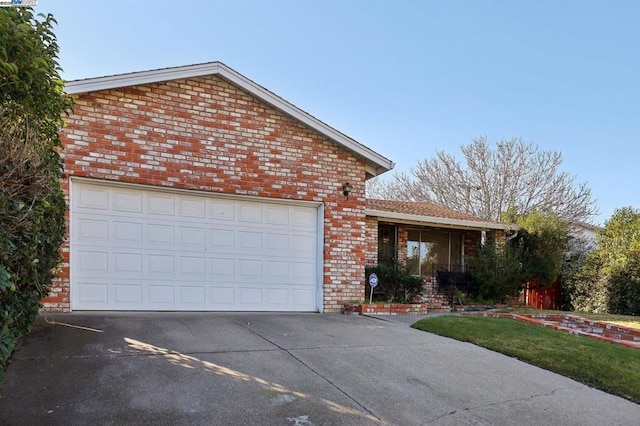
(299, 369)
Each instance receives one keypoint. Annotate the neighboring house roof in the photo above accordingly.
(376, 163)
(425, 213)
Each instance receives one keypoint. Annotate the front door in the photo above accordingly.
(387, 245)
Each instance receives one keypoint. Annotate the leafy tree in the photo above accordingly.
(31, 200)
(536, 252)
(491, 180)
(609, 279)
(544, 238)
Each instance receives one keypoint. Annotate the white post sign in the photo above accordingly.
(373, 282)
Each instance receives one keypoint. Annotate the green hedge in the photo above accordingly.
(32, 203)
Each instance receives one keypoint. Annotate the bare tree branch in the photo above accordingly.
(490, 180)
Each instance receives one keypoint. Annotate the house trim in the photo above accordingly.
(412, 219)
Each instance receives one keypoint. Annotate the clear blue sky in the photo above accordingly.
(405, 77)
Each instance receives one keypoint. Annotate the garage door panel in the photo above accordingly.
(276, 271)
(222, 269)
(301, 298)
(304, 218)
(92, 230)
(249, 297)
(128, 233)
(249, 269)
(277, 215)
(127, 264)
(304, 245)
(161, 296)
(192, 238)
(160, 265)
(193, 295)
(127, 294)
(304, 272)
(251, 213)
(92, 198)
(222, 210)
(191, 267)
(222, 240)
(92, 293)
(91, 263)
(192, 207)
(222, 297)
(160, 234)
(127, 201)
(142, 249)
(277, 297)
(161, 204)
(249, 241)
(277, 243)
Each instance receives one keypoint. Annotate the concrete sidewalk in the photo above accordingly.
(303, 369)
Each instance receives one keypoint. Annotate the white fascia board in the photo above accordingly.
(376, 163)
(413, 219)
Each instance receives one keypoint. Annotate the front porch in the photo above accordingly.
(427, 241)
(440, 256)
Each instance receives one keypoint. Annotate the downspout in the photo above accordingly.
(511, 237)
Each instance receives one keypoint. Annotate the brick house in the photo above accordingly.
(426, 238)
(194, 188)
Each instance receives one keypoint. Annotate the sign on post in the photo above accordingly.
(373, 282)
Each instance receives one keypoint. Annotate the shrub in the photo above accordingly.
(608, 280)
(395, 285)
(31, 200)
(624, 289)
(498, 271)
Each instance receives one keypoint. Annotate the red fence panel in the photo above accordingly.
(540, 296)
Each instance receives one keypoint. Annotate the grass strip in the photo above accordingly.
(611, 368)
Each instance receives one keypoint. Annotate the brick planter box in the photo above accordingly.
(392, 308)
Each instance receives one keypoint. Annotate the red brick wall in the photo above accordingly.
(206, 134)
(472, 241)
(371, 255)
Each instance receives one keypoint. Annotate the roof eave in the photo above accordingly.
(440, 221)
(376, 164)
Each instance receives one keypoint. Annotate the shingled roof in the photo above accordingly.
(421, 212)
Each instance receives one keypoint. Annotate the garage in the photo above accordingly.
(135, 247)
(193, 188)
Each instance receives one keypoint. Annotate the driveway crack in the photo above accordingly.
(495, 404)
(317, 373)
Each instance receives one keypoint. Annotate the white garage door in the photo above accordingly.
(135, 248)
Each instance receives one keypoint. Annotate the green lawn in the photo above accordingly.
(612, 368)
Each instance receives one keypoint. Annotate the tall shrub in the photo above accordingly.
(609, 280)
(32, 205)
(498, 271)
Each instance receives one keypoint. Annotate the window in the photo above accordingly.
(431, 249)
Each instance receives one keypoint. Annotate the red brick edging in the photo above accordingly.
(577, 325)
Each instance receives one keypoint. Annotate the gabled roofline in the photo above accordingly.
(440, 221)
(376, 163)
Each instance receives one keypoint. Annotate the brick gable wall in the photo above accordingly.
(205, 134)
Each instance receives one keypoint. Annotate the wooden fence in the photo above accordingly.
(540, 296)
